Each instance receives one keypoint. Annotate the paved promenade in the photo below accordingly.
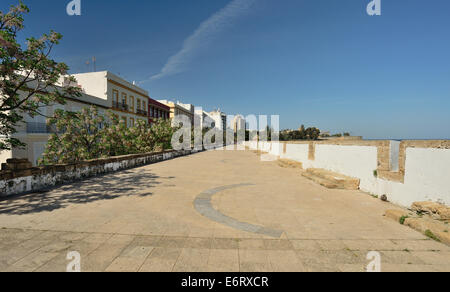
(212, 211)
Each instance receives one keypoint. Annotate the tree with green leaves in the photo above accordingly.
(312, 133)
(116, 140)
(88, 135)
(77, 137)
(162, 131)
(28, 76)
(141, 138)
(301, 134)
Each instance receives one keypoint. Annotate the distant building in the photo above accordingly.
(127, 100)
(220, 119)
(101, 89)
(239, 124)
(157, 110)
(177, 109)
(203, 118)
(35, 132)
(190, 108)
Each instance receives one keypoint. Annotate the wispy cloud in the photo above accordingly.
(203, 35)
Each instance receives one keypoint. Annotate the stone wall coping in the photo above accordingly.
(342, 142)
(439, 144)
(42, 170)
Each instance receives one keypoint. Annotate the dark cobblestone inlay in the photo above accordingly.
(203, 205)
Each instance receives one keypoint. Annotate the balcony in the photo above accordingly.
(40, 128)
(120, 106)
(141, 112)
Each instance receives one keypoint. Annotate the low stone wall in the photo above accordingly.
(18, 177)
(414, 171)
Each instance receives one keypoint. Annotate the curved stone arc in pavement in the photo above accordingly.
(203, 205)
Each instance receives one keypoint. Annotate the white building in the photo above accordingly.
(220, 119)
(178, 109)
(34, 132)
(238, 124)
(188, 107)
(127, 100)
(102, 89)
(203, 118)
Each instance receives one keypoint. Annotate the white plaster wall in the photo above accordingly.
(427, 170)
(265, 146)
(355, 161)
(394, 156)
(276, 149)
(15, 186)
(297, 152)
(261, 146)
(395, 191)
(426, 179)
(5, 155)
(427, 175)
(93, 83)
(124, 82)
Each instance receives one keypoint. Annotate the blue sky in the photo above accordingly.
(322, 63)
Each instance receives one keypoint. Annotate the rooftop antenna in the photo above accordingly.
(95, 65)
(87, 65)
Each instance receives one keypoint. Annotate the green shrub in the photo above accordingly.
(431, 235)
(403, 219)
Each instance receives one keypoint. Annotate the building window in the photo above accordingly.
(125, 120)
(124, 98)
(132, 103)
(115, 98)
(131, 122)
(138, 104)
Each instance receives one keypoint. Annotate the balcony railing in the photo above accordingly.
(141, 112)
(40, 128)
(120, 106)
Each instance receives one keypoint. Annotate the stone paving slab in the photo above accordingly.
(115, 253)
(145, 220)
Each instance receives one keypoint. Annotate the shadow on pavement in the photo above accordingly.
(106, 187)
